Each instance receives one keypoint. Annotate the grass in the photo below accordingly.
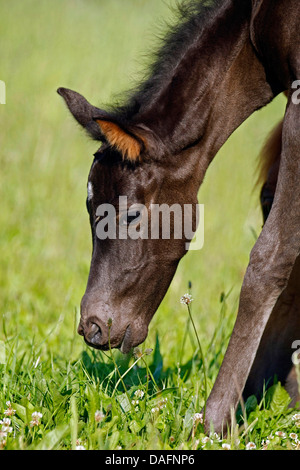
(85, 397)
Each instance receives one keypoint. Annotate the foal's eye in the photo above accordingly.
(130, 217)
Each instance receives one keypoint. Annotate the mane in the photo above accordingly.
(191, 18)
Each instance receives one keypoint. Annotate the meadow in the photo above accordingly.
(55, 392)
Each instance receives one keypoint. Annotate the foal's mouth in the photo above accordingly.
(126, 344)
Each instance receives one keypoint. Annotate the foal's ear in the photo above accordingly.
(101, 126)
(129, 142)
(83, 111)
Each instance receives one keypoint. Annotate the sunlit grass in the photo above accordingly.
(105, 401)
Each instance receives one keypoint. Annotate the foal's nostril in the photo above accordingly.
(94, 334)
(80, 330)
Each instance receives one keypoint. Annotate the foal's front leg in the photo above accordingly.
(271, 263)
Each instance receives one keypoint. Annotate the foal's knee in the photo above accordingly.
(267, 276)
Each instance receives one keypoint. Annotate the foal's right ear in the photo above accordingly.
(83, 111)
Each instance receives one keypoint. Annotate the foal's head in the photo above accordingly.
(134, 256)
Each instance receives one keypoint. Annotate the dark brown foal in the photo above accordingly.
(225, 60)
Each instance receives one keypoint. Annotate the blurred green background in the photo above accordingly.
(99, 48)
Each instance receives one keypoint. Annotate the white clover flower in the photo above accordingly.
(36, 417)
(99, 416)
(162, 404)
(226, 446)
(206, 440)
(186, 299)
(10, 411)
(7, 429)
(5, 421)
(293, 436)
(3, 436)
(250, 446)
(215, 436)
(280, 434)
(139, 394)
(154, 410)
(198, 418)
(296, 417)
(6, 426)
(296, 444)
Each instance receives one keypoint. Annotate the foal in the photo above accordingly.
(224, 60)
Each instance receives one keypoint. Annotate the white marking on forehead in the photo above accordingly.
(90, 192)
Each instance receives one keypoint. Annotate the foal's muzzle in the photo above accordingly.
(100, 335)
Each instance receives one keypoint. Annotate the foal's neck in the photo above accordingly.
(217, 84)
